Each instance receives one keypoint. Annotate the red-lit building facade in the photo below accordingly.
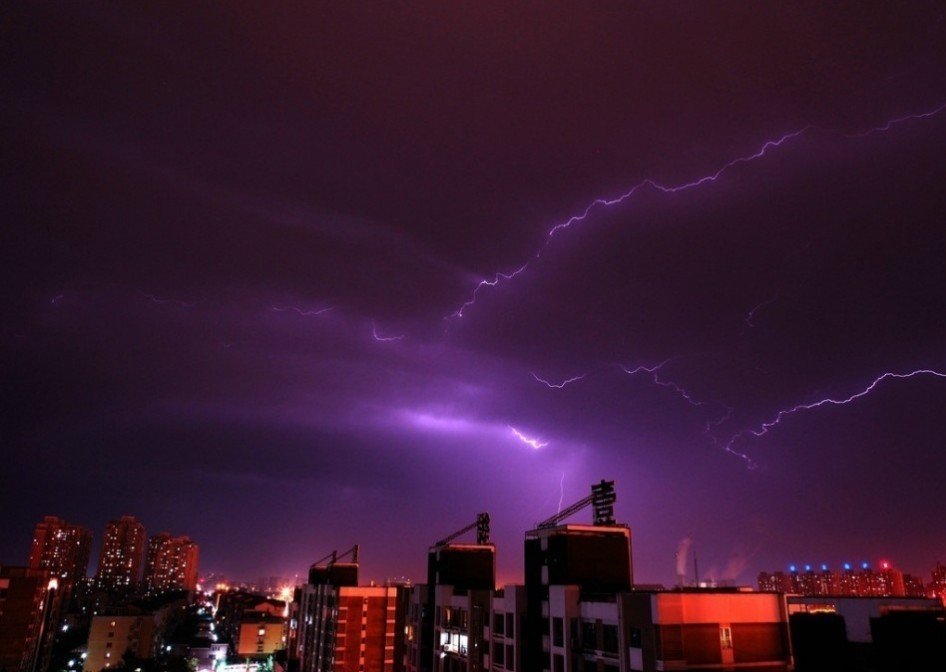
(61, 548)
(344, 627)
(172, 564)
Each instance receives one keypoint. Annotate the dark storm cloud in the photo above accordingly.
(218, 217)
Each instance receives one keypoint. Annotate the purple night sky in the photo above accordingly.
(264, 284)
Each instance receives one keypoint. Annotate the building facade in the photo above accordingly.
(172, 564)
(261, 634)
(344, 627)
(123, 548)
(61, 548)
(865, 581)
(564, 566)
(700, 629)
(110, 636)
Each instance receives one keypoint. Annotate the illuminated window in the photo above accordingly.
(725, 637)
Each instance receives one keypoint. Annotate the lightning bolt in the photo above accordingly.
(709, 425)
(561, 496)
(899, 120)
(528, 440)
(164, 302)
(604, 203)
(750, 316)
(300, 311)
(383, 339)
(764, 428)
(654, 371)
(56, 299)
(497, 278)
(559, 386)
(766, 147)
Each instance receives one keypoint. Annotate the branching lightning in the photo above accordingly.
(684, 394)
(559, 386)
(603, 203)
(654, 371)
(528, 440)
(764, 428)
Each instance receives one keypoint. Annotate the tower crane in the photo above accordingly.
(601, 499)
(334, 556)
(481, 524)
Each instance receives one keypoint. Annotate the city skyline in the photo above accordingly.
(45, 551)
(285, 281)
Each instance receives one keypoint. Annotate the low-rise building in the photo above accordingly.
(697, 629)
(261, 634)
(111, 635)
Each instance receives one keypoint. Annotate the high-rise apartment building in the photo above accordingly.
(564, 566)
(122, 551)
(447, 620)
(461, 584)
(887, 581)
(61, 548)
(171, 564)
(938, 582)
(345, 627)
